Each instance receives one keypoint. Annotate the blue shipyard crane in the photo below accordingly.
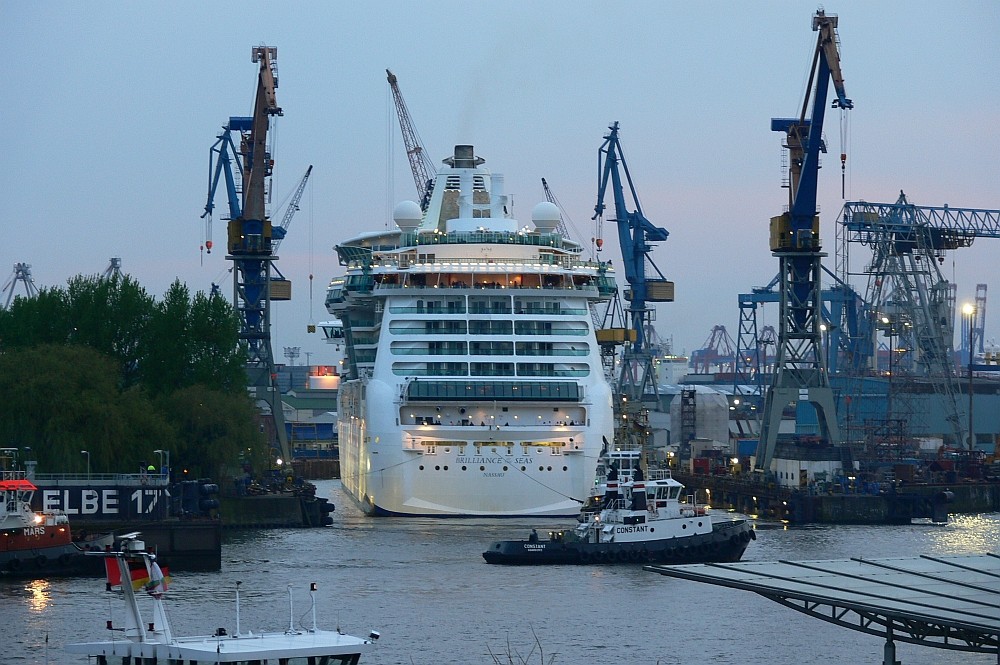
(911, 300)
(421, 165)
(635, 232)
(801, 373)
(250, 235)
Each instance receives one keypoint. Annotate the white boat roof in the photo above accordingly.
(949, 602)
(230, 648)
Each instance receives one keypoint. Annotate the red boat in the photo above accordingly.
(36, 544)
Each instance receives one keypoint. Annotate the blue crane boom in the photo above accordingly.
(946, 227)
(250, 236)
(279, 232)
(801, 373)
(635, 232)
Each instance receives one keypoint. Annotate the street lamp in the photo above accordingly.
(87, 453)
(164, 469)
(970, 310)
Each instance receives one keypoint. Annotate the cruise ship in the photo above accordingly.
(473, 382)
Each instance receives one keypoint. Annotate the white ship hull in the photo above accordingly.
(386, 475)
(474, 383)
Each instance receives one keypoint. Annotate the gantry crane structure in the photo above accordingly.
(910, 301)
(22, 274)
(250, 234)
(637, 380)
(718, 351)
(421, 165)
(114, 269)
(801, 372)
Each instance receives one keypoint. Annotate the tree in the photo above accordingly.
(101, 366)
(60, 399)
(213, 429)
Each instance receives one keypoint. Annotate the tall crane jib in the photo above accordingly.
(801, 370)
(635, 233)
(250, 237)
(421, 165)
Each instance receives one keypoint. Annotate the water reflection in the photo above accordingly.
(39, 594)
(964, 534)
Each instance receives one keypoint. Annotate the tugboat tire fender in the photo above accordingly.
(64, 559)
(41, 560)
(734, 539)
(13, 565)
(584, 557)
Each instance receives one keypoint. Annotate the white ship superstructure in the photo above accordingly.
(473, 381)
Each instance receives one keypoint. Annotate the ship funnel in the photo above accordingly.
(465, 157)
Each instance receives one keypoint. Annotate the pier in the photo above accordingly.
(900, 505)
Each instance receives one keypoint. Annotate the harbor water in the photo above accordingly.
(422, 583)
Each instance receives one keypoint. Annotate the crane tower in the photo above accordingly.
(801, 373)
(250, 235)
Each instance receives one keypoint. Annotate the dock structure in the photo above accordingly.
(854, 506)
(947, 602)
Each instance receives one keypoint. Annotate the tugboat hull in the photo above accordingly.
(725, 544)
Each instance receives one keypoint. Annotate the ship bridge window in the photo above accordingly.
(494, 390)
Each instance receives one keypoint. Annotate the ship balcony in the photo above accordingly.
(442, 371)
(551, 311)
(457, 308)
(452, 328)
(552, 352)
(485, 309)
(364, 356)
(546, 328)
(466, 437)
(544, 371)
(459, 350)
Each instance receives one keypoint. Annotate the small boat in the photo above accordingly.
(640, 521)
(149, 639)
(39, 544)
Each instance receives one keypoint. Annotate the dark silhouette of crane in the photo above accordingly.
(250, 235)
(635, 233)
(420, 164)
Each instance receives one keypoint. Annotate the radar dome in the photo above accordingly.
(407, 215)
(545, 216)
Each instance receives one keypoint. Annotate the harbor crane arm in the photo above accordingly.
(221, 164)
(257, 165)
(801, 371)
(279, 232)
(420, 164)
(635, 232)
(551, 198)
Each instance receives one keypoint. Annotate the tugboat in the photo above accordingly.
(150, 639)
(639, 521)
(39, 544)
